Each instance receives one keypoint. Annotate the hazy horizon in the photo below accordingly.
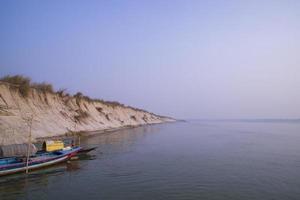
(184, 59)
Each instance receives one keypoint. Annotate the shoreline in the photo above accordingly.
(98, 132)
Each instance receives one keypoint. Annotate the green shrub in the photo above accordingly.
(114, 103)
(62, 92)
(17, 79)
(43, 87)
(22, 82)
(78, 95)
(109, 103)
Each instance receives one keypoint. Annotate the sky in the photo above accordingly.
(181, 58)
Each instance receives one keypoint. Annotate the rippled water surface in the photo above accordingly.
(192, 160)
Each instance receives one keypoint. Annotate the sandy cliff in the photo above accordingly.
(56, 114)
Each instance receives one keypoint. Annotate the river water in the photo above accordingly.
(184, 160)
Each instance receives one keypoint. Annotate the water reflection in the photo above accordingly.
(19, 186)
(121, 136)
(121, 140)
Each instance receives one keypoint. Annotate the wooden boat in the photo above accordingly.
(83, 153)
(14, 165)
(86, 150)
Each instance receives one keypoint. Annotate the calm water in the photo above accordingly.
(193, 160)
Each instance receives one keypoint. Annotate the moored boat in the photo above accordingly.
(12, 165)
(54, 145)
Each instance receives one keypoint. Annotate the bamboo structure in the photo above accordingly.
(29, 142)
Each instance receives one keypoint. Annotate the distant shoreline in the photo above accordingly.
(250, 120)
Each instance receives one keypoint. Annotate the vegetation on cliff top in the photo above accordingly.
(24, 85)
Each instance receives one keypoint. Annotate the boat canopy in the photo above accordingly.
(17, 150)
(53, 145)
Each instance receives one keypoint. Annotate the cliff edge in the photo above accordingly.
(56, 113)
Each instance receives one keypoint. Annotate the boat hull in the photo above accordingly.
(32, 167)
(39, 161)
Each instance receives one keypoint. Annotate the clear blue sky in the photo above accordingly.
(186, 59)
